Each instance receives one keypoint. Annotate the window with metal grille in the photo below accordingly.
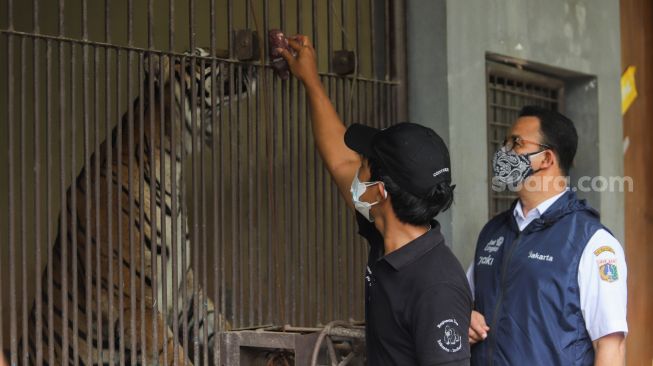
(509, 89)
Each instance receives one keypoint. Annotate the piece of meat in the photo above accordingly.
(276, 39)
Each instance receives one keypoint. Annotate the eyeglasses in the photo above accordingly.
(515, 141)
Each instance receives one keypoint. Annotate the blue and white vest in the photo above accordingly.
(526, 286)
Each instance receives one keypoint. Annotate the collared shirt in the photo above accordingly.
(417, 304)
(603, 294)
(534, 214)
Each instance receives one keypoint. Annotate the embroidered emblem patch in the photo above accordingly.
(603, 249)
(450, 341)
(608, 271)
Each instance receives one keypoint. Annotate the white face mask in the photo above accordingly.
(357, 190)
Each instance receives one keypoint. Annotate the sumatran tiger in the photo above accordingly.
(109, 242)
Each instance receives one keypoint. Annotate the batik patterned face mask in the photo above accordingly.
(511, 168)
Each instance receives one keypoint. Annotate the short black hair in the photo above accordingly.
(411, 209)
(557, 131)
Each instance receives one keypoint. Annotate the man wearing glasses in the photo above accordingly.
(549, 280)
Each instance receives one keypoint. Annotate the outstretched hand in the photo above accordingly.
(303, 65)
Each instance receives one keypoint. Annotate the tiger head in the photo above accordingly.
(194, 80)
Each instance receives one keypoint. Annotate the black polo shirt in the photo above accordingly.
(417, 304)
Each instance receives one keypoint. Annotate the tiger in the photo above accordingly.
(109, 242)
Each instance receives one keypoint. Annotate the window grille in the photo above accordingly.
(509, 89)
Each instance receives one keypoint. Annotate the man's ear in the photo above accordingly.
(382, 190)
(549, 159)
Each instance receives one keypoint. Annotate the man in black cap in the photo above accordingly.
(418, 301)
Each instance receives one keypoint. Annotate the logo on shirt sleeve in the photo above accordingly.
(608, 270)
(603, 249)
(450, 341)
(607, 266)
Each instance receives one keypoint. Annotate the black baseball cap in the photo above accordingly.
(414, 156)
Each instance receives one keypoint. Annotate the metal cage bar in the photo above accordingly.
(171, 195)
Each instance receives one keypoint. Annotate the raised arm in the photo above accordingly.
(328, 128)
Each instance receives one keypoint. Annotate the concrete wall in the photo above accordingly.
(447, 46)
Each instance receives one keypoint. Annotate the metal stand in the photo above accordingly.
(336, 344)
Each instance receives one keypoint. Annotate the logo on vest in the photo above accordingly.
(493, 245)
(368, 276)
(451, 341)
(540, 257)
(485, 261)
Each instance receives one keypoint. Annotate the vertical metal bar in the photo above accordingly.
(343, 24)
(252, 217)
(12, 204)
(97, 188)
(313, 161)
(175, 203)
(49, 111)
(152, 179)
(334, 244)
(282, 14)
(38, 298)
(330, 35)
(230, 27)
(195, 149)
(328, 234)
(399, 59)
(260, 141)
(335, 222)
(273, 265)
(162, 204)
(321, 252)
(359, 26)
(242, 234)
(141, 206)
(202, 301)
(10, 14)
(223, 235)
(314, 27)
(182, 203)
(302, 213)
(63, 227)
(217, 279)
(119, 211)
(109, 175)
(233, 173)
(23, 198)
(87, 164)
(266, 27)
(171, 30)
(284, 144)
(73, 204)
(386, 39)
(130, 190)
(248, 9)
(373, 38)
(360, 117)
(154, 235)
(191, 24)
